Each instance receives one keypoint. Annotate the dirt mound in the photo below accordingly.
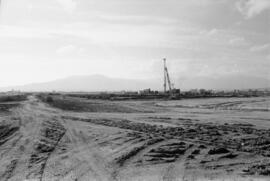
(135, 126)
(136, 150)
(6, 131)
(164, 153)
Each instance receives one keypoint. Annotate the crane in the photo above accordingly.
(167, 78)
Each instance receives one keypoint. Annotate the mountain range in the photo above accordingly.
(87, 83)
(102, 83)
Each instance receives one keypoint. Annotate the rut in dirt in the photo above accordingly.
(50, 134)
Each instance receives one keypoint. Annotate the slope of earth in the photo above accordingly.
(65, 138)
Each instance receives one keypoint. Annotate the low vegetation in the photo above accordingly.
(68, 103)
(13, 98)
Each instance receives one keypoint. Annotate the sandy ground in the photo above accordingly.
(205, 139)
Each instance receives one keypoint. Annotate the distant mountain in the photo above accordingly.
(88, 83)
(102, 83)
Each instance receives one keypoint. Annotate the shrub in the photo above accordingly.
(49, 99)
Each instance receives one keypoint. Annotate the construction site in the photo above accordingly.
(146, 135)
(53, 137)
(169, 92)
(134, 90)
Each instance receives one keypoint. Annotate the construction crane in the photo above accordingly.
(167, 78)
(173, 93)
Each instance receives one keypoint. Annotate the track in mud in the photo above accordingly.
(206, 144)
(50, 134)
(6, 131)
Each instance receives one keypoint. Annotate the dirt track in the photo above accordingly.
(41, 142)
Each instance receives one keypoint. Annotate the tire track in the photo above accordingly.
(87, 152)
(51, 133)
(177, 168)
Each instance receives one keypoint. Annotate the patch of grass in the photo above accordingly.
(12, 98)
(82, 105)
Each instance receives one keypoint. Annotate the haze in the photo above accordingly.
(203, 40)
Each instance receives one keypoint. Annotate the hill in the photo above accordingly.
(88, 83)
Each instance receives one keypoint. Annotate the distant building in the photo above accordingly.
(147, 92)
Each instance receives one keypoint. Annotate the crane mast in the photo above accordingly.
(166, 78)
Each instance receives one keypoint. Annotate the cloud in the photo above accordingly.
(68, 5)
(238, 41)
(260, 48)
(71, 50)
(213, 32)
(68, 49)
(251, 8)
(7, 31)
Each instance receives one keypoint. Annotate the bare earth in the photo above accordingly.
(80, 139)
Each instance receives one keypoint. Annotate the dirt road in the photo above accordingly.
(34, 150)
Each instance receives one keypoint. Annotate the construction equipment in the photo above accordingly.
(172, 91)
(167, 78)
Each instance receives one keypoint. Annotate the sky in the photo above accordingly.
(221, 39)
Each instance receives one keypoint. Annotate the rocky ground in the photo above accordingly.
(63, 138)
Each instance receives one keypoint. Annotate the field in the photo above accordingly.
(58, 137)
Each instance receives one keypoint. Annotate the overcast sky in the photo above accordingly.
(42, 40)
